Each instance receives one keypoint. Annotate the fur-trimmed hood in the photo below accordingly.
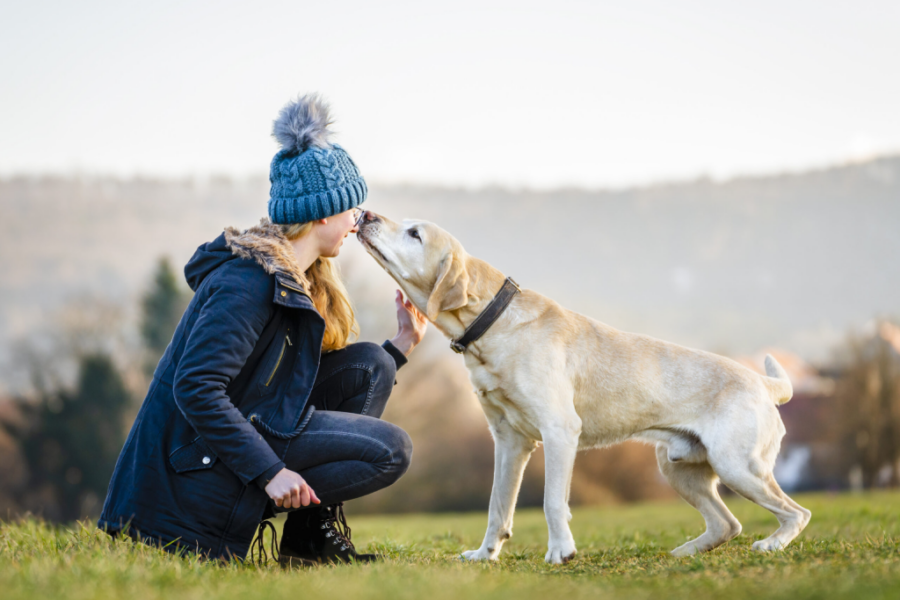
(263, 243)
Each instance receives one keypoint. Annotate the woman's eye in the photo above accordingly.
(414, 233)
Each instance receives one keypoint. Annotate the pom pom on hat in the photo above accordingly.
(303, 123)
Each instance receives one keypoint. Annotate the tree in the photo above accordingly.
(72, 440)
(161, 309)
(868, 396)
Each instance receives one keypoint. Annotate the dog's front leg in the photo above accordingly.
(560, 447)
(511, 453)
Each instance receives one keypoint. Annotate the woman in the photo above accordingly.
(259, 404)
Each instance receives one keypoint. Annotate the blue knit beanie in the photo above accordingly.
(311, 178)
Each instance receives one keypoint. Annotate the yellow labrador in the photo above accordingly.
(544, 373)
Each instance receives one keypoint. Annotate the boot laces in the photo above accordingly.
(337, 522)
(258, 548)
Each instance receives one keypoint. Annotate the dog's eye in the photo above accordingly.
(414, 233)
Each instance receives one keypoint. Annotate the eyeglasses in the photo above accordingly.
(358, 216)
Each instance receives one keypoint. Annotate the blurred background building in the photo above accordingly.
(727, 178)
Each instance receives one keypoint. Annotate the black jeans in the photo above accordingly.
(346, 451)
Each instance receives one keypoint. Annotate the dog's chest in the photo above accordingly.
(499, 405)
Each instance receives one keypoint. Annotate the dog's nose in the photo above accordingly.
(369, 216)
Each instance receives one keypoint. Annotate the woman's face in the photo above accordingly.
(335, 229)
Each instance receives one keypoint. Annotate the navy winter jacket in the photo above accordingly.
(247, 349)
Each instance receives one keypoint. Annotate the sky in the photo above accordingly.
(519, 94)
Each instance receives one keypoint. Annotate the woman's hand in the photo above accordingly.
(411, 325)
(289, 490)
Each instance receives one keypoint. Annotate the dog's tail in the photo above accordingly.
(777, 381)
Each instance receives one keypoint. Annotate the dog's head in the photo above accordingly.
(428, 263)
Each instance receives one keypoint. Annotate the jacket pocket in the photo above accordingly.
(192, 457)
(268, 384)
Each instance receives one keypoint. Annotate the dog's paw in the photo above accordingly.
(479, 554)
(558, 554)
(768, 545)
(688, 549)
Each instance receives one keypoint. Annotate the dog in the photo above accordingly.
(546, 374)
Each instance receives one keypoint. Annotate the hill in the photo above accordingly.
(788, 260)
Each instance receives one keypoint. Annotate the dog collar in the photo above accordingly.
(490, 314)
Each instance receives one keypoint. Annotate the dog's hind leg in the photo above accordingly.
(560, 446)
(756, 483)
(696, 483)
(511, 453)
(746, 467)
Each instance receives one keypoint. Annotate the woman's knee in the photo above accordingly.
(357, 379)
(381, 361)
(381, 365)
(401, 449)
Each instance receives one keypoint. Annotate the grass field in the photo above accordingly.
(850, 550)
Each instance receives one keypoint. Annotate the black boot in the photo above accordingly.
(319, 535)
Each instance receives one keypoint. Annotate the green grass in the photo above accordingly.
(850, 550)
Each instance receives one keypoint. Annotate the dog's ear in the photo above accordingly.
(450, 289)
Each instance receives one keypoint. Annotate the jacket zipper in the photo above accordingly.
(284, 344)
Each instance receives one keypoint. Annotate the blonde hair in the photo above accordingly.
(328, 294)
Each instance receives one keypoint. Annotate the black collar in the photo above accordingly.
(483, 321)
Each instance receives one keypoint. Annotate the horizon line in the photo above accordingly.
(211, 178)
